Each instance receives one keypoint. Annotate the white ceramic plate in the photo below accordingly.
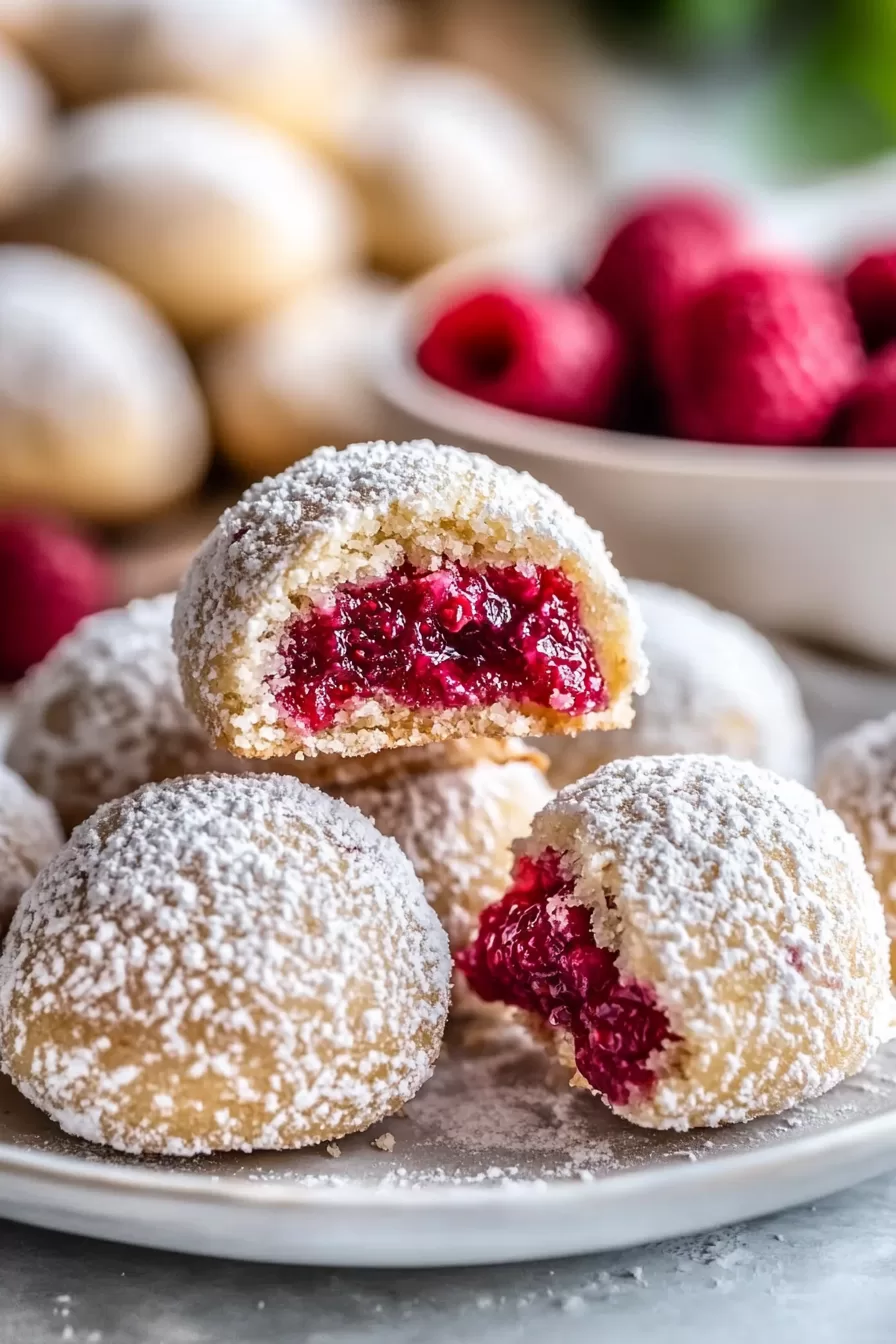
(798, 541)
(497, 1160)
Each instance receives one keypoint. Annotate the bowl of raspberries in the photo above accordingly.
(723, 410)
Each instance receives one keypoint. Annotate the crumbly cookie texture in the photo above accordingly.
(30, 835)
(717, 686)
(352, 517)
(741, 907)
(103, 713)
(857, 778)
(223, 962)
(456, 826)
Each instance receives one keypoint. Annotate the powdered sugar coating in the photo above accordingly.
(30, 835)
(354, 516)
(857, 778)
(223, 962)
(717, 686)
(104, 713)
(745, 904)
(456, 827)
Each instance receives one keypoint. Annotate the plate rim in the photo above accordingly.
(876, 1131)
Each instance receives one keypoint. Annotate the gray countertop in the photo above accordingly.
(823, 1273)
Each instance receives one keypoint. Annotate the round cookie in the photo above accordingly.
(697, 938)
(296, 377)
(288, 63)
(103, 713)
(25, 110)
(223, 962)
(857, 778)
(212, 218)
(716, 686)
(456, 825)
(99, 411)
(30, 835)
(396, 594)
(446, 161)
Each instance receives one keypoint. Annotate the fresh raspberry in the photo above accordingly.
(552, 355)
(871, 289)
(867, 418)
(762, 354)
(657, 255)
(51, 579)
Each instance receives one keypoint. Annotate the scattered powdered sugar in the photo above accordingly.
(354, 515)
(745, 904)
(717, 686)
(103, 713)
(456, 827)
(30, 835)
(223, 962)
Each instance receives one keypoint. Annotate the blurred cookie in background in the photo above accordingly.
(445, 161)
(26, 107)
(295, 378)
(288, 63)
(213, 218)
(717, 687)
(20, 19)
(100, 415)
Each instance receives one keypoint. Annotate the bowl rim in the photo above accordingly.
(403, 386)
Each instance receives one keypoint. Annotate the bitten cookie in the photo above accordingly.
(698, 939)
(396, 594)
(211, 217)
(223, 963)
(99, 411)
(716, 686)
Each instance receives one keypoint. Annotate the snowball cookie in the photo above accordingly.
(698, 939)
(30, 835)
(298, 376)
(288, 63)
(25, 110)
(456, 825)
(223, 962)
(857, 778)
(716, 686)
(103, 713)
(396, 594)
(445, 161)
(211, 217)
(99, 411)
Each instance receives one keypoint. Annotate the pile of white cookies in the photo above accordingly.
(218, 174)
(246, 940)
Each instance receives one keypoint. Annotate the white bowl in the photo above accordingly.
(801, 541)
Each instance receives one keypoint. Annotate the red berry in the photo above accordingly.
(658, 254)
(762, 354)
(51, 579)
(552, 355)
(867, 418)
(871, 289)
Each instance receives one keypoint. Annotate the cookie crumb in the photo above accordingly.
(334, 1150)
(385, 1143)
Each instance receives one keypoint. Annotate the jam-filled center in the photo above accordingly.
(537, 952)
(440, 639)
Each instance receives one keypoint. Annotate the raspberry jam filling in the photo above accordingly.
(440, 639)
(535, 951)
